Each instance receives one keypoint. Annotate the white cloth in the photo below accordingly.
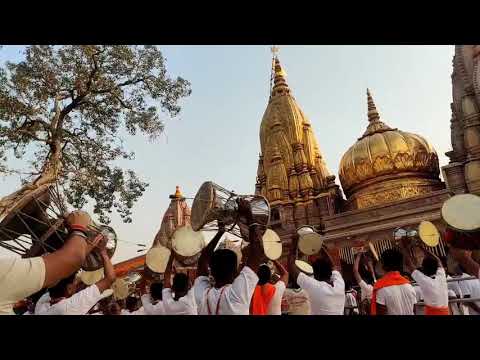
(297, 301)
(366, 290)
(186, 305)
(419, 309)
(150, 308)
(140, 311)
(43, 303)
(19, 278)
(351, 303)
(399, 299)
(435, 291)
(324, 298)
(79, 303)
(471, 287)
(275, 306)
(235, 298)
(454, 307)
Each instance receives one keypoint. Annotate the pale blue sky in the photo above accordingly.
(216, 136)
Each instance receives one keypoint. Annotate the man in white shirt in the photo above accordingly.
(132, 308)
(19, 278)
(231, 293)
(326, 290)
(64, 300)
(152, 303)
(366, 287)
(178, 298)
(392, 293)
(432, 280)
(296, 300)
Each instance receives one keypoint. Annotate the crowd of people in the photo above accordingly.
(223, 287)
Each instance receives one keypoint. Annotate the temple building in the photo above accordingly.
(390, 178)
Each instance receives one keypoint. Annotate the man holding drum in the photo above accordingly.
(20, 278)
(326, 290)
(231, 293)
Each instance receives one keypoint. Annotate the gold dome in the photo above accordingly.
(387, 164)
(291, 165)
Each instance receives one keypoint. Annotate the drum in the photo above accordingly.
(428, 233)
(124, 287)
(304, 267)
(35, 225)
(310, 243)
(462, 212)
(187, 245)
(107, 293)
(213, 203)
(91, 277)
(272, 245)
(156, 259)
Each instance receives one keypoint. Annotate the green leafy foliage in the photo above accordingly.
(70, 105)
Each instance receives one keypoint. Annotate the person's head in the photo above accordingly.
(64, 288)
(180, 284)
(264, 274)
(114, 308)
(131, 303)
(322, 269)
(392, 260)
(156, 290)
(223, 266)
(429, 266)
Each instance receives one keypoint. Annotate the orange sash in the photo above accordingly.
(261, 298)
(391, 278)
(432, 310)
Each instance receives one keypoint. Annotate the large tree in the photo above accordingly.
(70, 106)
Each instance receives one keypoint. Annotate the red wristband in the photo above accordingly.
(78, 227)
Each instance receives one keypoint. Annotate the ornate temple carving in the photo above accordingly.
(387, 165)
(462, 174)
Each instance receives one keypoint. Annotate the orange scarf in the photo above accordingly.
(391, 278)
(432, 310)
(261, 298)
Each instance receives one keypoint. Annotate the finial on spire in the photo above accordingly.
(372, 109)
(275, 50)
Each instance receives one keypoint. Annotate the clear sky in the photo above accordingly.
(216, 136)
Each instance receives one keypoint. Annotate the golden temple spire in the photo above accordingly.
(280, 86)
(178, 193)
(375, 124)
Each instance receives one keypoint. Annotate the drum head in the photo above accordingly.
(157, 259)
(107, 293)
(204, 201)
(94, 260)
(304, 267)
(310, 243)
(120, 289)
(303, 230)
(186, 242)
(373, 251)
(91, 277)
(272, 245)
(462, 212)
(428, 233)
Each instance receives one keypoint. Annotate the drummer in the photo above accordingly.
(178, 297)
(267, 298)
(392, 293)
(152, 302)
(20, 278)
(366, 287)
(326, 290)
(232, 291)
(66, 300)
(431, 279)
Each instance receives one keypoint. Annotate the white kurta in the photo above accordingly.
(325, 299)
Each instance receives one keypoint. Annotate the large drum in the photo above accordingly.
(272, 245)
(213, 203)
(124, 287)
(156, 259)
(187, 245)
(309, 242)
(304, 267)
(462, 212)
(35, 225)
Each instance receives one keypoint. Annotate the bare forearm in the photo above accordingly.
(206, 254)
(65, 261)
(255, 249)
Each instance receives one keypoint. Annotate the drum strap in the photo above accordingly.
(218, 303)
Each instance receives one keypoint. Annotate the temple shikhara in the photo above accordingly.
(389, 176)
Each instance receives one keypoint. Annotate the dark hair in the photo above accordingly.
(131, 303)
(156, 290)
(429, 265)
(264, 274)
(392, 260)
(180, 283)
(322, 269)
(60, 289)
(223, 265)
